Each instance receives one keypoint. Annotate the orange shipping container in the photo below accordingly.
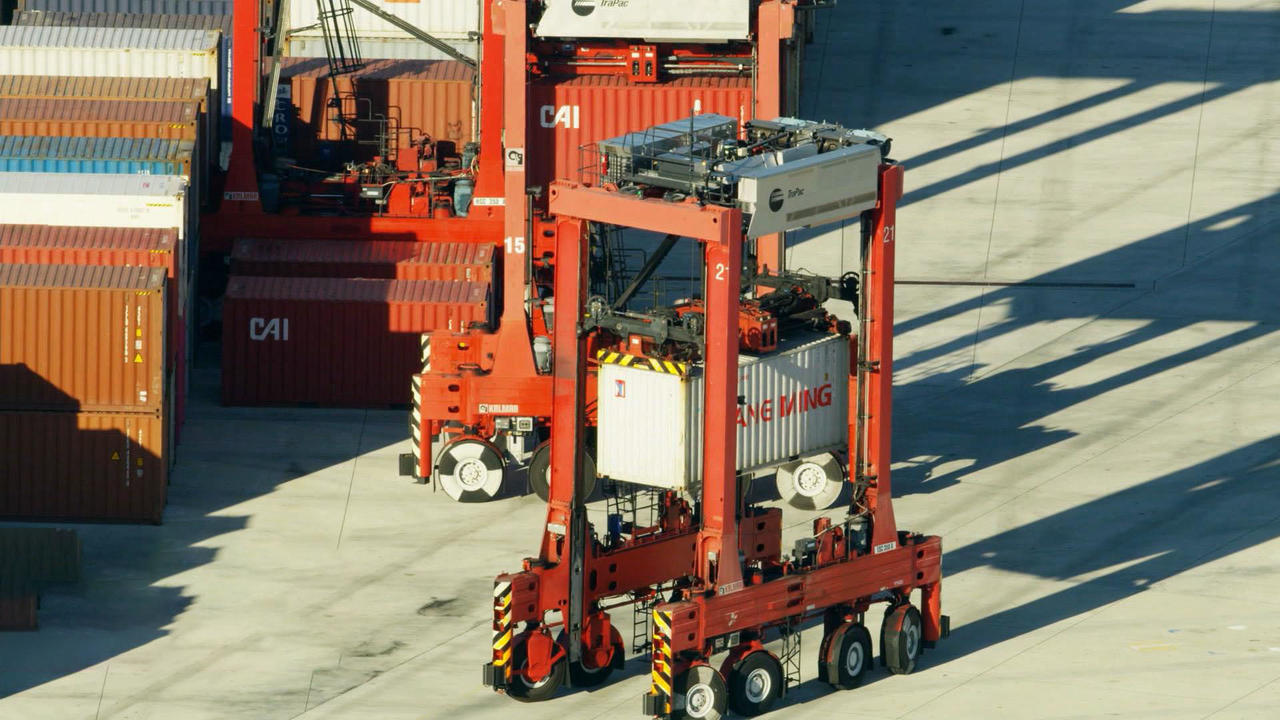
(421, 96)
(565, 115)
(363, 259)
(82, 466)
(76, 337)
(99, 118)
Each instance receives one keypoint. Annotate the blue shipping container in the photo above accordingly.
(117, 156)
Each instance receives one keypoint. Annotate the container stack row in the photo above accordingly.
(107, 139)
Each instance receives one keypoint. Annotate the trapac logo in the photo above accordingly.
(775, 200)
(269, 329)
(583, 8)
(620, 388)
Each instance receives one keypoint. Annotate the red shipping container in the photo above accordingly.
(472, 262)
(335, 341)
(82, 337)
(564, 115)
(137, 247)
(100, 118)
(83, 466)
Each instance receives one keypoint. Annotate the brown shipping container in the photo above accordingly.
(363, 259)
(424, 96)
(99, 118)
(564, 115)
(129, 247)
(67, 87)
(82, 466)
(342, 342)
(76, 337)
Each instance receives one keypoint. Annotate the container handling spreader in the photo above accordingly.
(705, 564)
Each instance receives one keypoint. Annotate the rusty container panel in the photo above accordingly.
(135, 247)
(68, 87)
(100, 118)
(431, 97)
(472, 262)
(78, 337)
(565, 115)
(83, 466)
(341, 342)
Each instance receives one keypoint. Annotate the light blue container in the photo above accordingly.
(117, 156)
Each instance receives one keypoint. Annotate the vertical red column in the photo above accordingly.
(775, 21)
(719, 535)
(240, 193)
(878, 395)
(569, 369)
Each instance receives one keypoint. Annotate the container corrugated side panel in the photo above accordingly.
(115, 155)
(303, 46)
(83, 466)
(143, 7)
(796, 405)
(451, 20)
(121, 52)
(565, 115)
(100, 118)
(104, 88)
(337, 342)
(18, 611)
(368, 259)
(77, 337)
(139, 201)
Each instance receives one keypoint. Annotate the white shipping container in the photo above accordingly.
(108, 52)
(444, 19)
(378, 48)
(796, 404)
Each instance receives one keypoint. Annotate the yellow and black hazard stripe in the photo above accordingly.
(502, 627)
(662, 669)
(415, 426)
(640, 362)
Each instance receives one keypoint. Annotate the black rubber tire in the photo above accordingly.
(755, 684)
(901, 639)
(850, 658)
(521, 690)
(581, 676)
(713, 702)
(540, 468)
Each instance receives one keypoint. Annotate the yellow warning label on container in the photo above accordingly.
(137, 357)
(115, 456)
(139, 462)
(138, 332)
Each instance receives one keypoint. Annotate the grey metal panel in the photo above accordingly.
(109, 38)
(147, 7)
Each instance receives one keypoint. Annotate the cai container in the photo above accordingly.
(565, 115)
(83, 466)
(335, 341)
(794, 403)
(398, 260)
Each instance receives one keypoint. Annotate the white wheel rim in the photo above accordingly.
(471, 474)
(759, 683)
(912, 634)
(536, 685)
(853, 659)
(699, 701)
(809, 479)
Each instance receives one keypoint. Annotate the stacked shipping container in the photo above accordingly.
(105, 140)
